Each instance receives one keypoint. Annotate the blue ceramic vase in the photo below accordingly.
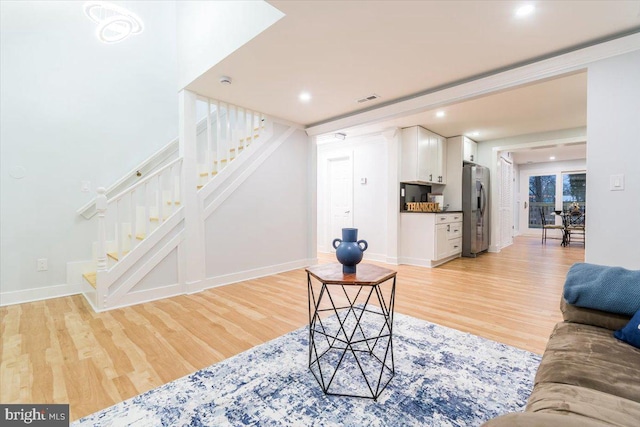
(349, 250)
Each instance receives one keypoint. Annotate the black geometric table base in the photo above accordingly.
(351, 330)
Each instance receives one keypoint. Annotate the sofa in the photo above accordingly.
(587, 377)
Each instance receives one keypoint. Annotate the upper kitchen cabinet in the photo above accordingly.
(423, 156)
(469, 148)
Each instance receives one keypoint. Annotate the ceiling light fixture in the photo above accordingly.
(552, 158)
(115, 23)
(525, 10)
(440, 114)
(305, 97)
(224, 80)
(340, 136)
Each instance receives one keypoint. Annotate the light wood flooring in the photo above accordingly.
(60, 351)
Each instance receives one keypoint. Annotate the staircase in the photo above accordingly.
(144, 224)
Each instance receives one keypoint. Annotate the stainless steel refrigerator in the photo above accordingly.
(475, 209)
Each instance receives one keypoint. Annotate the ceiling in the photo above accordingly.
(554, 153)
(341, 51)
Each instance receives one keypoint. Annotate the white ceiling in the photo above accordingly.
(544, 154)
(340, 51)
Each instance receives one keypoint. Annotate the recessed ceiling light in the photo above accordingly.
(440, 114)
(304, 97)
(525, 10)
(552, 158)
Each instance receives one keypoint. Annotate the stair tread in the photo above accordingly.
(175, 203)
(114, 255)
(91, 278)
(156, 219)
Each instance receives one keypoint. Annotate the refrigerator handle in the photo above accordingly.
(484, 199)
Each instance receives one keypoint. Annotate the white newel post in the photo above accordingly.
(194, 259)
(101, 270)
(393, 193)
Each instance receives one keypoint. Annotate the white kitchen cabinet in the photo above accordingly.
(423, 155)
(430, 239)
(470, 150)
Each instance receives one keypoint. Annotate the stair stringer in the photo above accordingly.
(221, 189)
(116, 285)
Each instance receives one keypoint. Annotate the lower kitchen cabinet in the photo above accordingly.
(430, 239)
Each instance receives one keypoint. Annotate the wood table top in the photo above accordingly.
(366, 274)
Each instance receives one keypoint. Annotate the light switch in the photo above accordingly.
(616, 182)
(363, 181)
(85, 186)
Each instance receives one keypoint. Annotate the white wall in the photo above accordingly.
(613, 118)
(369, 154)
(264, 225)
(208, 31)
(73, 109)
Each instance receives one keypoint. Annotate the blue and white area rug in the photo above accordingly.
(443, 378)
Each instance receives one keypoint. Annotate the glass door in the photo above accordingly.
(574, 191)
(550, 191)
(541, 190)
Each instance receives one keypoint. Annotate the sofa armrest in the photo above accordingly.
(589, 316)
(540, 419)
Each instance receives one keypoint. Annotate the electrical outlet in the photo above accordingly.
(42, 264)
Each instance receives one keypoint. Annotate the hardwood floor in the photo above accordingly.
(60, 351)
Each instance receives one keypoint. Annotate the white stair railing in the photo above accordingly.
(235, 129)
(127, 218)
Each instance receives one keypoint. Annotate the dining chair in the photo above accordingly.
(546, 227)
(576, 227)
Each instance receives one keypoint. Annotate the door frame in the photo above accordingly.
(524, 190)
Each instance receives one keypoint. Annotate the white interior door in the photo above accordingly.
(340, 197)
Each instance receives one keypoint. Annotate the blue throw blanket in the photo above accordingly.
(612, 289)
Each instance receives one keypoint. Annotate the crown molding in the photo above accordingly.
(566, 63)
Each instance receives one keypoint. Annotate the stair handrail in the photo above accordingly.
(158, 157)
(103, 204)
(144, 180)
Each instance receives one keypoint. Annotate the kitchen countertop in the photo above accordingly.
(439, 212)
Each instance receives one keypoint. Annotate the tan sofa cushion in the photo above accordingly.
(585, 403)
(588, 356)
(589, 316)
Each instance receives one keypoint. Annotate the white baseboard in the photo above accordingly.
(227, 279)
(392, 261)
(422, 262)
(38, 294)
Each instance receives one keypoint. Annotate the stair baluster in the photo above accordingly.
(101, 207)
